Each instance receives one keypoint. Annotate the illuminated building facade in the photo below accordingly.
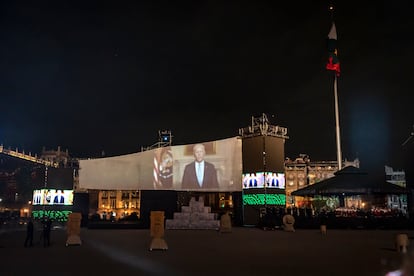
(302, 172)
(59, 157)
(114, 204)
(396, 177)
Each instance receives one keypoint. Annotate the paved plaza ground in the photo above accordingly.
(245, 251)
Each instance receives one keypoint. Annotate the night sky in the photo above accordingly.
(108, 75)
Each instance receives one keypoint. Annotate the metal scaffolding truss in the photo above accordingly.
(164, 140)
(261, 127)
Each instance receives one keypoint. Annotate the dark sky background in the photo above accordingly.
(108, 75)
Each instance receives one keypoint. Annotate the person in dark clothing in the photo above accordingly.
(323, 218)
(200, 174)
(47, 225)
(29, 234)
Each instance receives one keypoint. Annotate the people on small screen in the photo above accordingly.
(199, 174)
(246, 179)
(59, 198)
(47, 197)
(37, 198)
(273, 180)
(253, 180)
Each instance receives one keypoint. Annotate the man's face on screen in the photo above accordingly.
(199, 153)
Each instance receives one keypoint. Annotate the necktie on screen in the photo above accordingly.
(199, 174)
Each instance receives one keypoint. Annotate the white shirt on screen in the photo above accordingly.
(199, 168)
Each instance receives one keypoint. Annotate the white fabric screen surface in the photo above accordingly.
(163, 168)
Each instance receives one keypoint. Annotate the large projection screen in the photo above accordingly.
(169, 168)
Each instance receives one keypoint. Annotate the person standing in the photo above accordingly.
(200, 174)
(29, 233)
(59, 198)
(47, 225)
(253, 180)
(37, 197)
(47, 197)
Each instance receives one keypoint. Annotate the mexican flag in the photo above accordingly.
(333, 61)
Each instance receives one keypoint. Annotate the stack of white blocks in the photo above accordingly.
(195, 216)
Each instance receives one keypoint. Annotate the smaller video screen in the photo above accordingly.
(52, 197)
(262, 180)
(275, 180)
(253, 180)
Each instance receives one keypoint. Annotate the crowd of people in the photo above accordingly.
(272, 217)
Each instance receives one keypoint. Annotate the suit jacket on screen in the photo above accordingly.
(190, 181)
(56, 199)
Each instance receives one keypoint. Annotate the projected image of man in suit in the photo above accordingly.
(59, 198)
(37, 198)
(199, 174)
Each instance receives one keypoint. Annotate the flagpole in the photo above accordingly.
(338, 132)
(337, 129)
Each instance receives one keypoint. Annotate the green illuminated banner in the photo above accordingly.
(61, 216)
(262, 199)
